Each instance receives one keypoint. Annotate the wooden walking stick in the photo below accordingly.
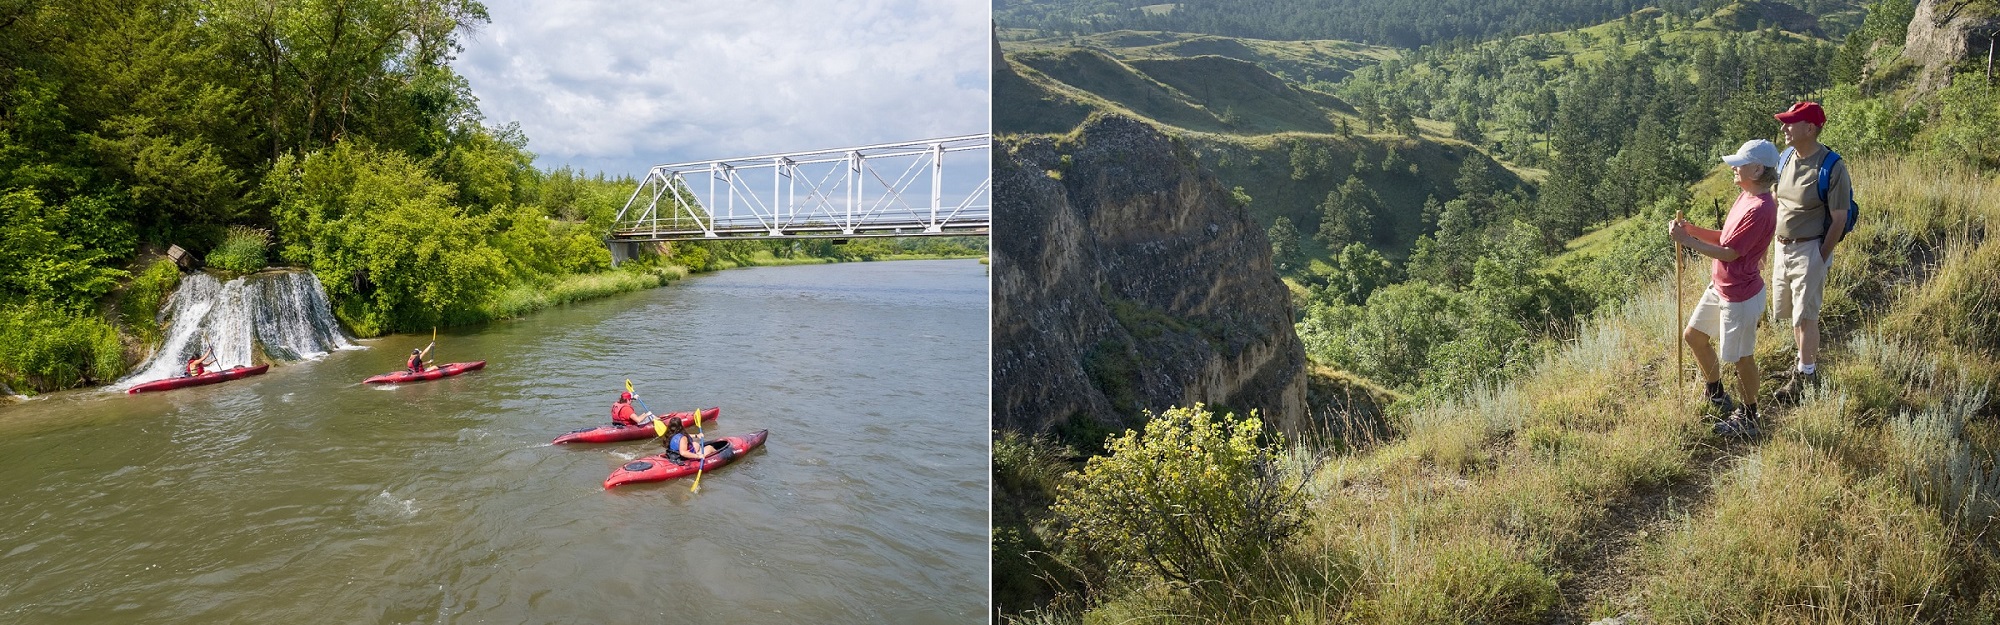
(1680, 354)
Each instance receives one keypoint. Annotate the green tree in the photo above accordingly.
(1348, 214)
(1284, 243)
(1360, 271)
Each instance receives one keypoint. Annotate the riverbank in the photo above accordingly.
(767, 259)
(138, 332)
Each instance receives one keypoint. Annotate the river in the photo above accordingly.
(303, 496)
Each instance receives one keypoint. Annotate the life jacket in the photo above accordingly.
(1826, 181)
(416, 364)
(674, 447)
(621, 413)
(195, 368)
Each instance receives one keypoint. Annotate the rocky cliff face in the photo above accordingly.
(1938, 42)
(1127, 279)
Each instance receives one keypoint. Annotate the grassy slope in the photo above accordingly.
(1241, 119)
(1592, 487)
(1300, 61)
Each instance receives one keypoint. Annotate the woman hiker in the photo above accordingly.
(1734, 301)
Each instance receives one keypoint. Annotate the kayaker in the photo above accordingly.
(622, 413)
(198, 365)
(681, 446)
(416, 361)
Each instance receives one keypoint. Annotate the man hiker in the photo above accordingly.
(1807, 232)
(1734, 301)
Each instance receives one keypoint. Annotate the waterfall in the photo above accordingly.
(284, 313)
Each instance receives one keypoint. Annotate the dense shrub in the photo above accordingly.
(355, 212)
(148, 290)
(52, 349)
(43, 258)
(1195, 501)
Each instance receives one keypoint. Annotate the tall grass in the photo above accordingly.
(1873, 501)
(244, 250)
(526, 298)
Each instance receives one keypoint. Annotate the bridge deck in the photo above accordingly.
(886, 190)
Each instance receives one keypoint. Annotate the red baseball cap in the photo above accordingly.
(1804, 112)
(625, 396)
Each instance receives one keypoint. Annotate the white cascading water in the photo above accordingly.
(285, 312)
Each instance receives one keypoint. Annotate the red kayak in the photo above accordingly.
(657, 468)
(211, 377)
(441, 371)
(615, 433)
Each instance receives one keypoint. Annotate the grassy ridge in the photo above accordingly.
(1870, 502)
(1837, 510)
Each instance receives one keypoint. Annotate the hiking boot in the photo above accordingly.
(1796, 384)
(1738, 426)
(1722, 404)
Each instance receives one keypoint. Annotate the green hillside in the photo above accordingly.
(1547, 460)
(1122, 86)
(1306, 62)
(1246, 98)
(1246, 121)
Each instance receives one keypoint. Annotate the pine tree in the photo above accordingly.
(1284, 243)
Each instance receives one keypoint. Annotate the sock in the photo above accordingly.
(1715, 388)
(1808, 369)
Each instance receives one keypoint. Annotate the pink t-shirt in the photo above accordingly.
(1748, 230)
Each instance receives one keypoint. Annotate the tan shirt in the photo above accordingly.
(1800, 213)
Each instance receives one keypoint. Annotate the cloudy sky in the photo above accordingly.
(621, 86)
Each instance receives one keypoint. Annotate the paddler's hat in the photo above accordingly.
(625, 396)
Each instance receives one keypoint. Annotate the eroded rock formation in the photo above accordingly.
(1127, 279)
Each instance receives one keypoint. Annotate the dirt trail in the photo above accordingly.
(1605, 571)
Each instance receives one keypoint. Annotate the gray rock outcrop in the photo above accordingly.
(1940, 46)
(1127, 279)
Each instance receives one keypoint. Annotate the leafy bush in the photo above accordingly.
(242, 251)
(44, 266)
(1195, 501)
(356, 212)
(53, 349)
(694, 257)
(143, 297)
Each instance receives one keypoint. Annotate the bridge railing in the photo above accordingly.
(930, 187)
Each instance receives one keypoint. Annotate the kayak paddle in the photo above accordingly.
(660, 430)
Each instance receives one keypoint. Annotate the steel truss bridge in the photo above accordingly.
(866, 191)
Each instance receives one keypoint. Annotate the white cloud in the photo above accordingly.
(621, 86)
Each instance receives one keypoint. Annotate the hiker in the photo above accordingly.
(198, 365)
(1734, 301)
(1807, 233)
(416, 362)
(680, 446)
(622, 413)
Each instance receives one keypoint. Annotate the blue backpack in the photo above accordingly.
(1825, 180)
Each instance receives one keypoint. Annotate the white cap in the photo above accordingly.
(1756, 151)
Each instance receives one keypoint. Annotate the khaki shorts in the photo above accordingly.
(1733, 325)
(1798, 279)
